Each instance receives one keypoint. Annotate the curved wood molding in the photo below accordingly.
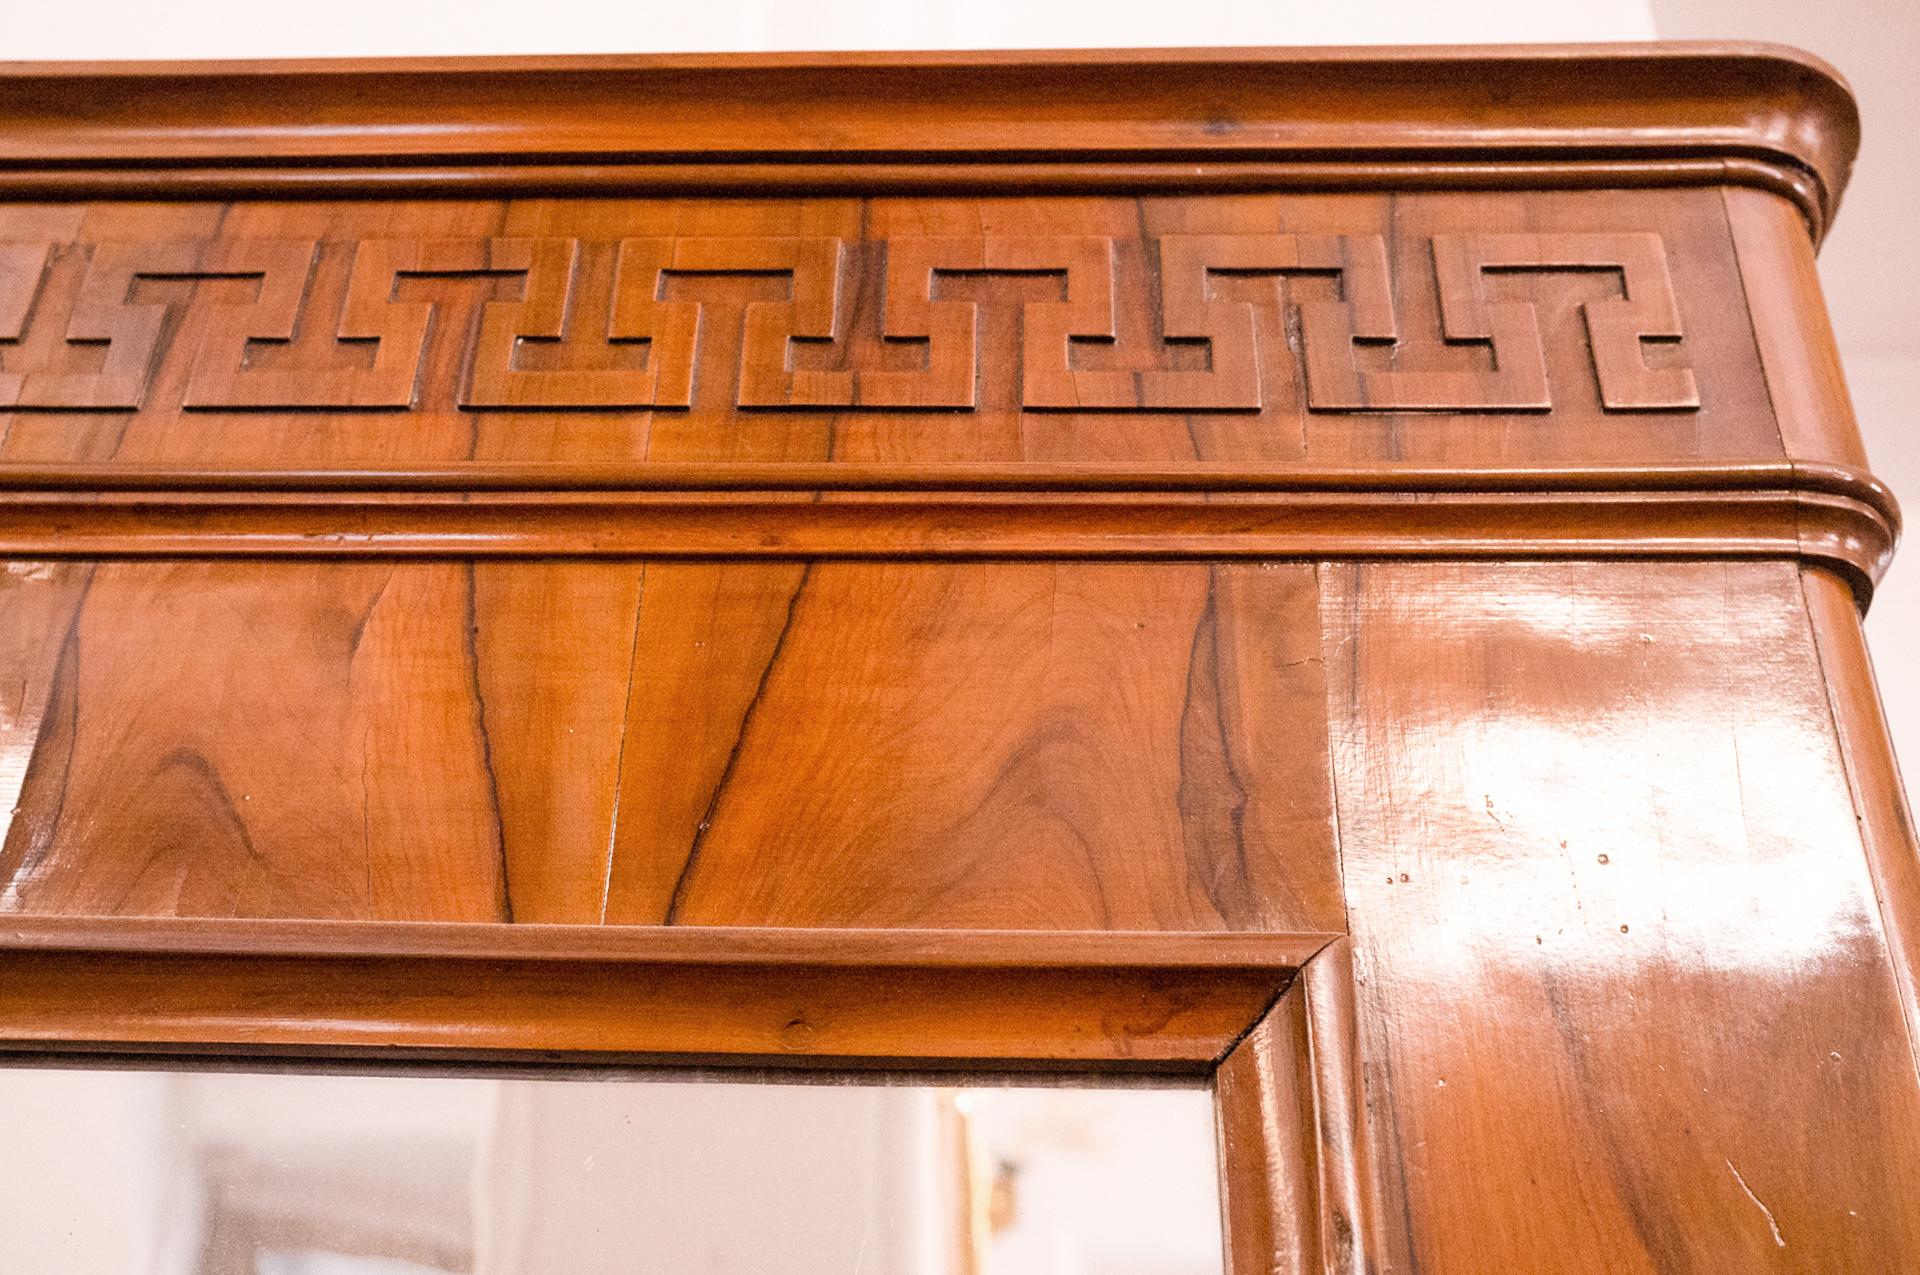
(1827, 516)
(1195, 119)
(1289, 1111)
(1887, 828)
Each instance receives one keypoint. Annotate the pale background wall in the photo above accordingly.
(1872, 270)
(246, 28)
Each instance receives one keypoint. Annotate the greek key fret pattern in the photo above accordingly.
(108, 336)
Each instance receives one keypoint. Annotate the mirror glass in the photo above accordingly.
(108, 1172)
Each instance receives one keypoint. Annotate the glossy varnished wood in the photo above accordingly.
(1280, 566)
(1840, 521)
(1392, 118)
(1422, 328)
(1887, 832)
(666, 995)
(1304, 1193)
(1162, 786)
(1611, 919)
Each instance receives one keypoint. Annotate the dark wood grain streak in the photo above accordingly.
(487, 769)
(684, 879)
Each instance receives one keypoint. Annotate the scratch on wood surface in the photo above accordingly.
(1772, 1225)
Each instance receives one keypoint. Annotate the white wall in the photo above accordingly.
(104, 1129)
(246, 28)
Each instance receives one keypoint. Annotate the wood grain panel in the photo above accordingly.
(553, 651)
(1623, 985)
(1170, 783)
(702, 653)
(263, 735)
(1045, 746)
(246, 741)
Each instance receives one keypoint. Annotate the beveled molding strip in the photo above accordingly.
(1128, 120)
(1168, 1003)
(1827, 515)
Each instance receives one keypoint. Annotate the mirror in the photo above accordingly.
(222, 1173)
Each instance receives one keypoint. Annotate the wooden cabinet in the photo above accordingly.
(1338, 571)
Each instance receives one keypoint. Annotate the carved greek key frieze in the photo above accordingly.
(767, 377)
(105, 314)
(1351, 353)
(1616, 328)
(948, 327)
(1328, 328)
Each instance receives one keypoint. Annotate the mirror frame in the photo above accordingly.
(1266, 1019)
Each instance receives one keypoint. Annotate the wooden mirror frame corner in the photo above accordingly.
(1265, 1020)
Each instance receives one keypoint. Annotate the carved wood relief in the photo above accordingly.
(1616, 329)
(1339, 351)
(819, 560)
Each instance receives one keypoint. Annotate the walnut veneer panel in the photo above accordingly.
(1093, 746)
(1610, 913)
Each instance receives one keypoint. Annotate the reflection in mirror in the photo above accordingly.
(208, 1173)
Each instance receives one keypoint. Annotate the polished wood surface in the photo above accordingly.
(1302, 1195)
(1380, 327)
(1649, 876)
(1383, 118)
(1281, 565)
(1085, 1002)
(1160, 786)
